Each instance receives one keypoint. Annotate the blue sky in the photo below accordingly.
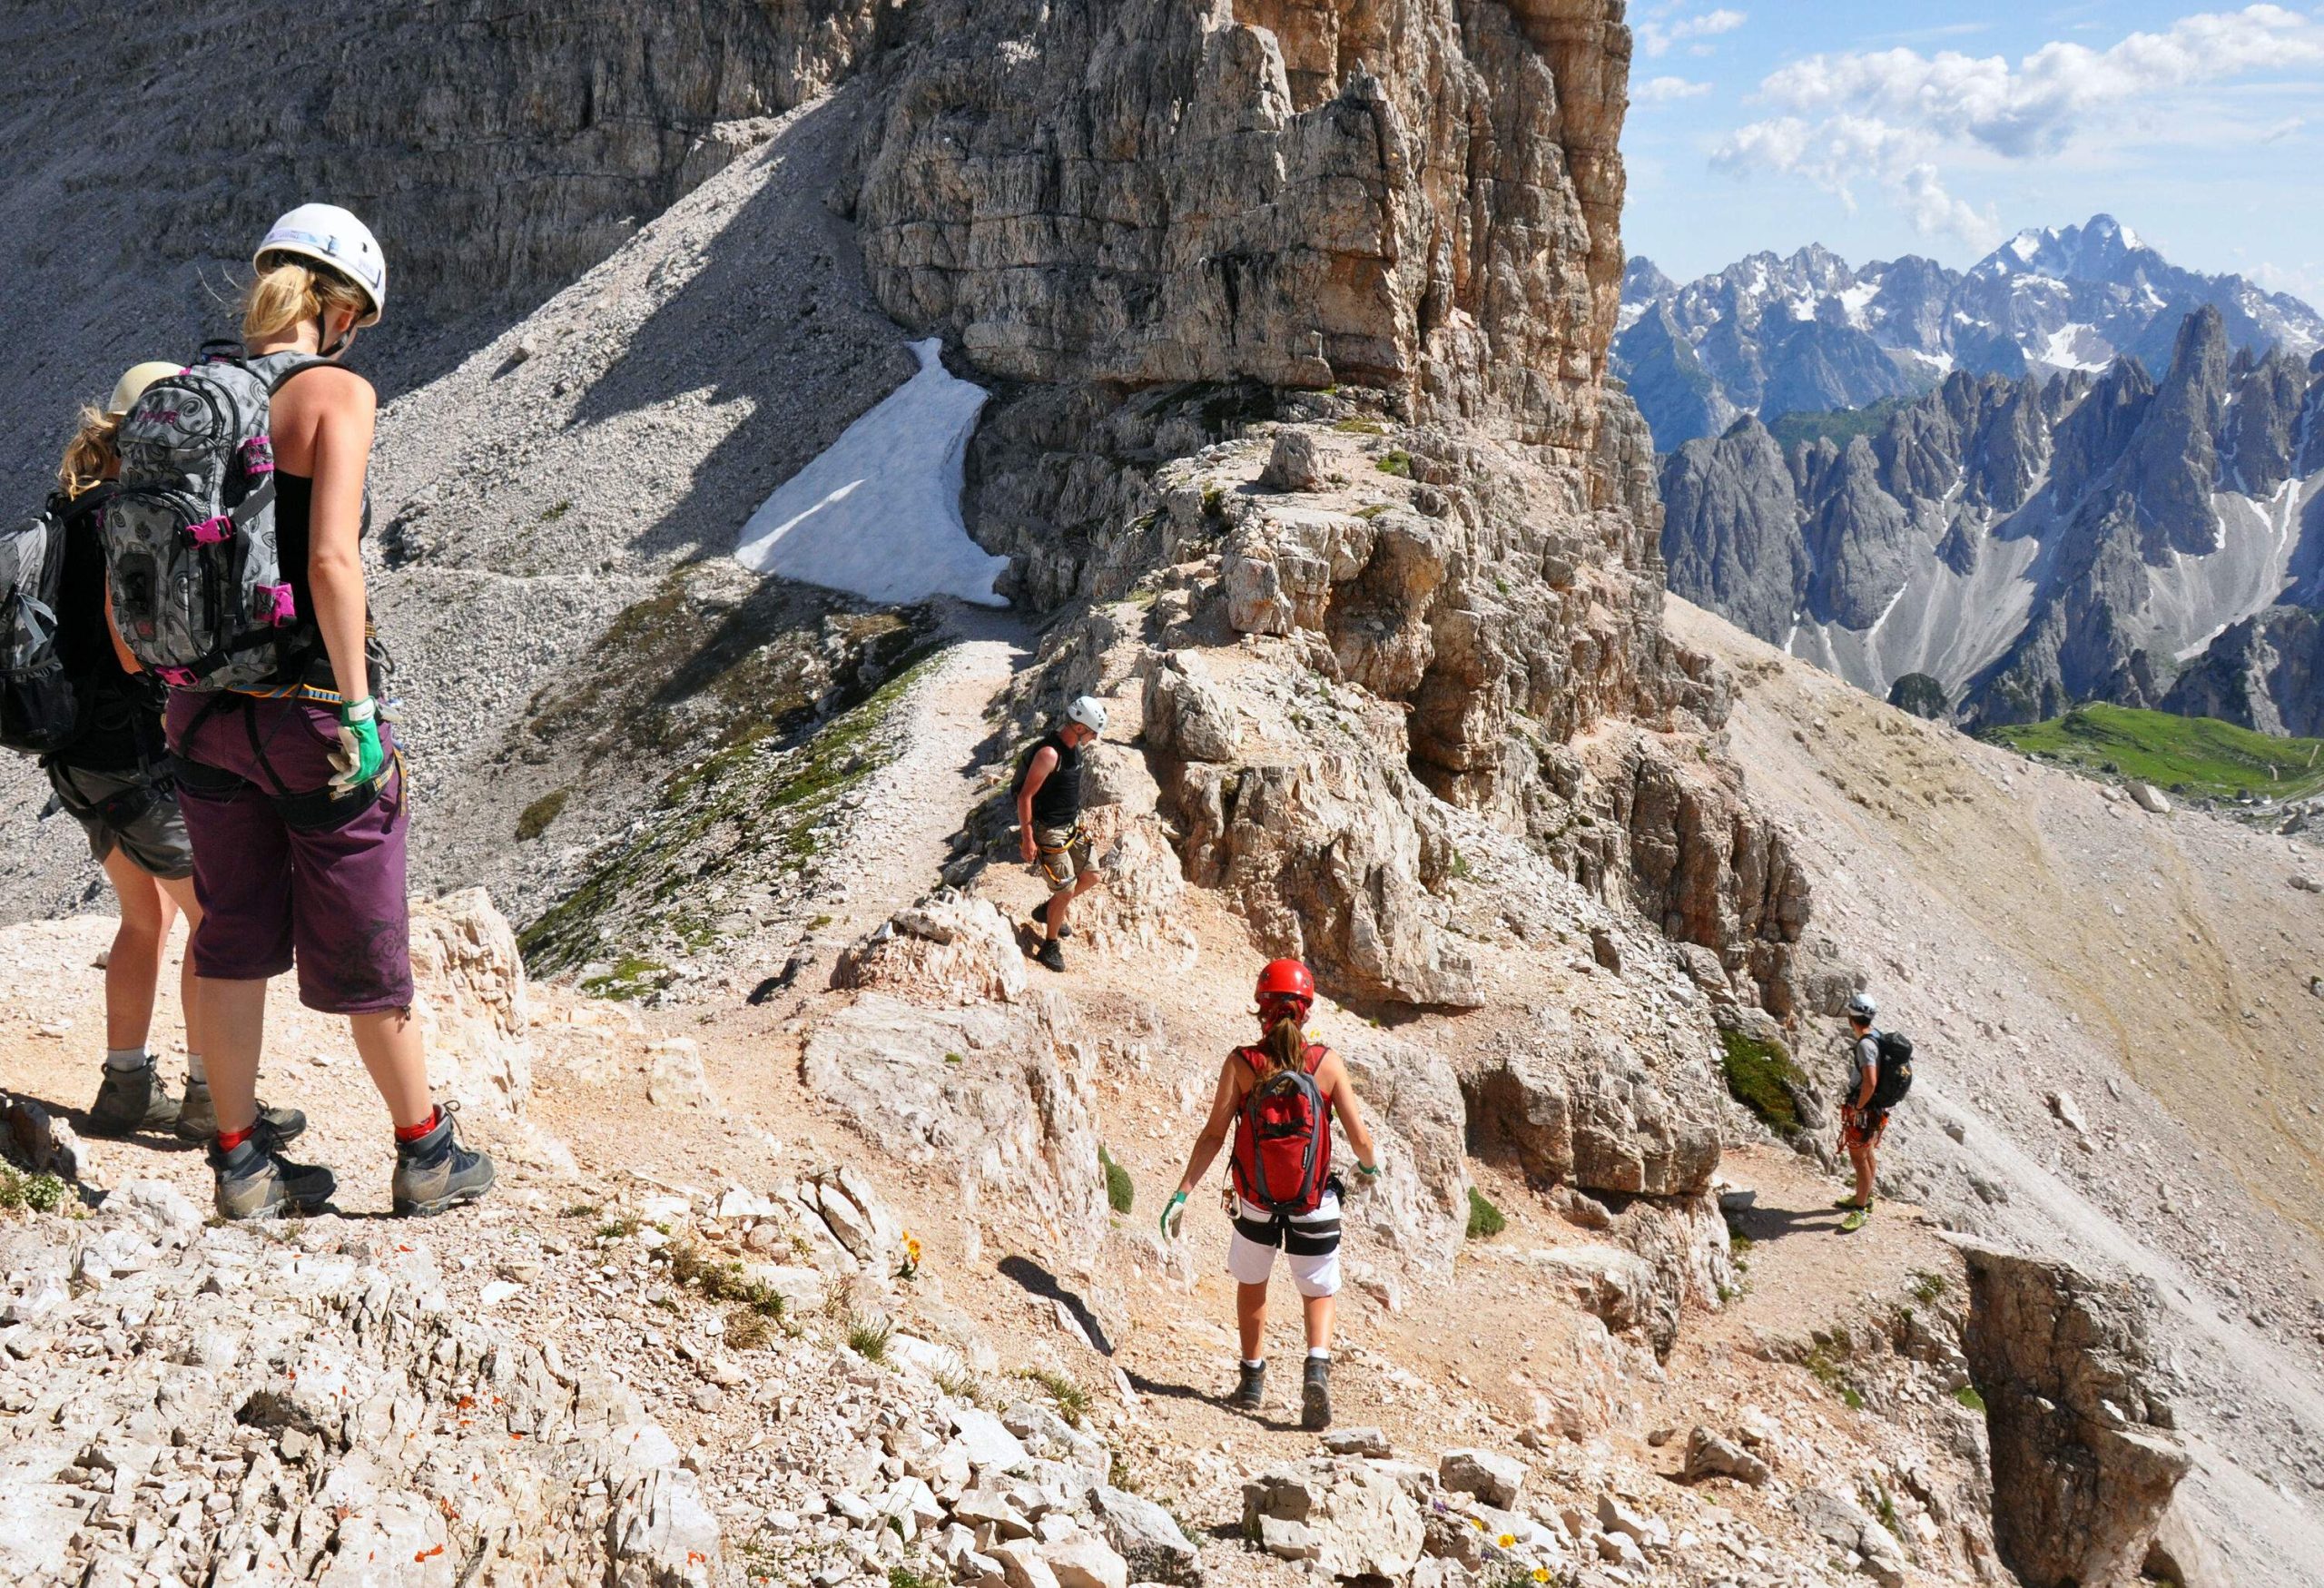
(1880, 129)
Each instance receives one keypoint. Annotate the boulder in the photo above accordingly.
(1344, 1517)
(1292, 464)
(1086, 1561)
(1710, 1457)
(473, 1000)
(1147, 1538)
(2083, 1462)
(674, 1076)
(1417, 1210)
(1848, 1527)
(1356, 1442)
(945, 950)
(996, 1097)
(1629, 1136)
(2148, 797)
(991, 1447)
(1494, 1478)
(1188, 715)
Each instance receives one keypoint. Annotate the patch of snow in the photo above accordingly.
(2065, 349)
(1632, 313)
(877, 513)
(1856, 299)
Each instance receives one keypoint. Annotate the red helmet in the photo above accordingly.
(1285, 980)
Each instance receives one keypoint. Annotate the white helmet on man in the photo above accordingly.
(1861, 1007)
(332, 236)
(1088, 712)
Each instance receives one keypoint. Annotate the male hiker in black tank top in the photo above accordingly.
(1048, 820)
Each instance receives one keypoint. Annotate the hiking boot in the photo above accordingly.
(1854, 1221)
(198, 1117)
(437, 1172)
(255, 1181)
(1051, 955)
(1315, 1393)
(1250, 1389)
(129, 1101)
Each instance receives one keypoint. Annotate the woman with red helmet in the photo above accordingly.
(1279, 1096)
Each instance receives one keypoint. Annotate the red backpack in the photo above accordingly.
(1282, 1137)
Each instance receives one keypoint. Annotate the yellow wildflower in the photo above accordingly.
(1507, 1540)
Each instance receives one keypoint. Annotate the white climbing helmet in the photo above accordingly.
(1861, 1007)
(332, 236)
(1088, 711)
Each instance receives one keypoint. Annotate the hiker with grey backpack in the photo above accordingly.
(71, 696)
(1279, 1096)
(1880, 1072)
(234, 553)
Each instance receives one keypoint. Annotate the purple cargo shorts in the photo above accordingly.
(332, 902)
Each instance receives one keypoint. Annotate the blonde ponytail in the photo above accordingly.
(91, 457)
(288, 291)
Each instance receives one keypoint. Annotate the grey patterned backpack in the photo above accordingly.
(40, 709)
(199, 592)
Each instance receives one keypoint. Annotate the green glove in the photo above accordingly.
(1174, 1214)
(360, 756)
(1370, 1171)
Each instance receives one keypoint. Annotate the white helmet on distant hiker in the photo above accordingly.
(132, 384)
(1861, 1007)
(333, 237)
(1088, 712)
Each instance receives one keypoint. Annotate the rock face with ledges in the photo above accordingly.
(2085, 1462)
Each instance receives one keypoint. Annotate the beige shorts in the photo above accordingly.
(1064, 853)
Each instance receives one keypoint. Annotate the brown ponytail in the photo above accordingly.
(1284, 1047)
(288, 291)
(91, 458)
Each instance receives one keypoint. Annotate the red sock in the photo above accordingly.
(230, 1139)
(407, 1134)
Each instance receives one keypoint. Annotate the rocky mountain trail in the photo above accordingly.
(2012, 918)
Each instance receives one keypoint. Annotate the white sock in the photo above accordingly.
(193, 1071)
(1319, 1353)
(1262, 1362)
(126, 1059)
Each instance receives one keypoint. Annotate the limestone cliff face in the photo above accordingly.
(1422, 196)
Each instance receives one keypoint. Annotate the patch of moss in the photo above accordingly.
(1968, 1397)
(631, 977)
(1757, 1077)
(1485, 1220)
(534, 819)
(1358, 425)
(1397, 462)
(1121, 1191)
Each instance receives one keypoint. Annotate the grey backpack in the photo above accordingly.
(199, 592)
(40, 707)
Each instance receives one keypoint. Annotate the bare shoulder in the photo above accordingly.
(1333, 1070)
(330, 388)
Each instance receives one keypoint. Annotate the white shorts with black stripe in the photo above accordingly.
(1311, 1242)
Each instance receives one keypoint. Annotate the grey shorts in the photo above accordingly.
(125, 811)
(1064, 855)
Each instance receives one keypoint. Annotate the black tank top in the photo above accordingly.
(1058, 802)
(304, 659)
(121, 721)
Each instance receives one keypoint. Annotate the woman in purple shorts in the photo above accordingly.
(294, 793)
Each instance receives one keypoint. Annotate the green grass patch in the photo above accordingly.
(722, 1279)
(632, 976)
(2196, 755)
(1756, 1073)
(1121, 1191)
(1824, 1367)
(1968, 1397)
(1358, 425)
(534, 819)
(1397, 462)
(1927, 1286)
(868, 1336)
(1072, 1400)
(1840, 427)
(1485, 1220)
(905, 1577)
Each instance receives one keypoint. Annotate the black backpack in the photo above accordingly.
(40, 706)
(1896, 1069)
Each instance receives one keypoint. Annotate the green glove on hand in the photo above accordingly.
(1174, 1214)
(359, 755)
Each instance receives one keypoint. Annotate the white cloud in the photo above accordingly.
(1655, 38)
(1893, 116)
(1660, 90)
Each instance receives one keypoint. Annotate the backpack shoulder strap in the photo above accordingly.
(274, 369)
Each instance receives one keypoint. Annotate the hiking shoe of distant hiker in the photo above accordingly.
(1051, 955)
(1250, 1388)
(1040, 928)
(437, 1172)
(198, 1117)
(255, 1181)
(130, 1101)
(1315, 1393)
(1854, 1221)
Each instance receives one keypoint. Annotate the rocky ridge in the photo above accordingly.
(1772, 336)
(2027, 544)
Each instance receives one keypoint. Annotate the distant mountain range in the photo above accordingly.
(2005, 545)
(1772, 336)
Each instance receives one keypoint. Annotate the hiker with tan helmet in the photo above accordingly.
(70, 695)
(1279, 1096)
(1049, 821)
(244, 478)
